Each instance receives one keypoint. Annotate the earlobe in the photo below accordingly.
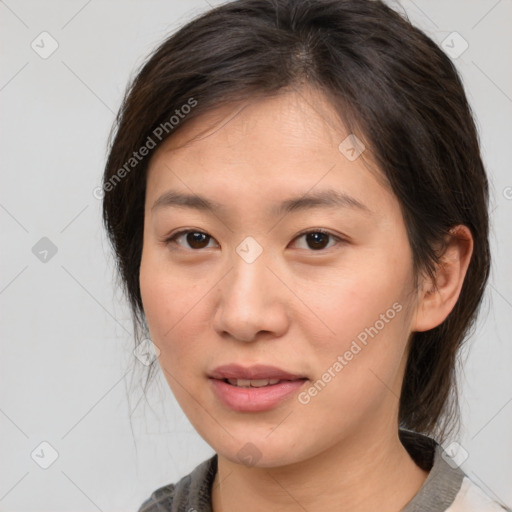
(437, 298)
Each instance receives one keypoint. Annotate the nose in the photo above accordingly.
(251, 303)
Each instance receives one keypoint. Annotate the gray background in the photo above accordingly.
(66, 363)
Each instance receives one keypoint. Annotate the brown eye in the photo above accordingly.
(197, 240)
(317, 240)
(194, 239)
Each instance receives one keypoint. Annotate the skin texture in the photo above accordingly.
(294, 307)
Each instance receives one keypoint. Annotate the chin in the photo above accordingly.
(256, 451)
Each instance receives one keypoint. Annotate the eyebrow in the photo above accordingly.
(329, 198)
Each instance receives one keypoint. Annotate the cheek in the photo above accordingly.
(359, 296)
(366, 311)
(173, 307)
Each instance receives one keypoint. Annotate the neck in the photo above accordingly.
(364, 473)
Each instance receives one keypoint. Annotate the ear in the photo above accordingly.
(438, 297)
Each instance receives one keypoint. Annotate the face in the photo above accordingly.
(300, 262)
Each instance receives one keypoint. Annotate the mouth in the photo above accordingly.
(254, 389)
(253, 376)
(256, 383)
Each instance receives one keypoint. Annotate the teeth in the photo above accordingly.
(254, 383)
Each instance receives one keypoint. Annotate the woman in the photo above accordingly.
(298, 205)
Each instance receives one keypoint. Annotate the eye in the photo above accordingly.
(195, 239)
(317, 239)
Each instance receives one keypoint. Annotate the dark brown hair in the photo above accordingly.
(388, 82)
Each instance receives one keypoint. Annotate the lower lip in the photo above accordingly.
(255, 399)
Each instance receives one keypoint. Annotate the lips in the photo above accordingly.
(253, 373)
(255, 388)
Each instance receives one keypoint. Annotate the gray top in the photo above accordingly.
(446, 488)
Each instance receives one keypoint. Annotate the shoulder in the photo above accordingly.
(472, 498)
(192, 492)
(160, 500)
(447, 488)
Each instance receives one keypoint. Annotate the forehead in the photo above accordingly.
(291, 111)
(286, 145)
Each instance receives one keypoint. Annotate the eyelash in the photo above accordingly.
(172, 238)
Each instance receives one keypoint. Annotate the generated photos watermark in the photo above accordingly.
(355, 348)
(158, 134)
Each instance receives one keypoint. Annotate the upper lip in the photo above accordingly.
(258, 371)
